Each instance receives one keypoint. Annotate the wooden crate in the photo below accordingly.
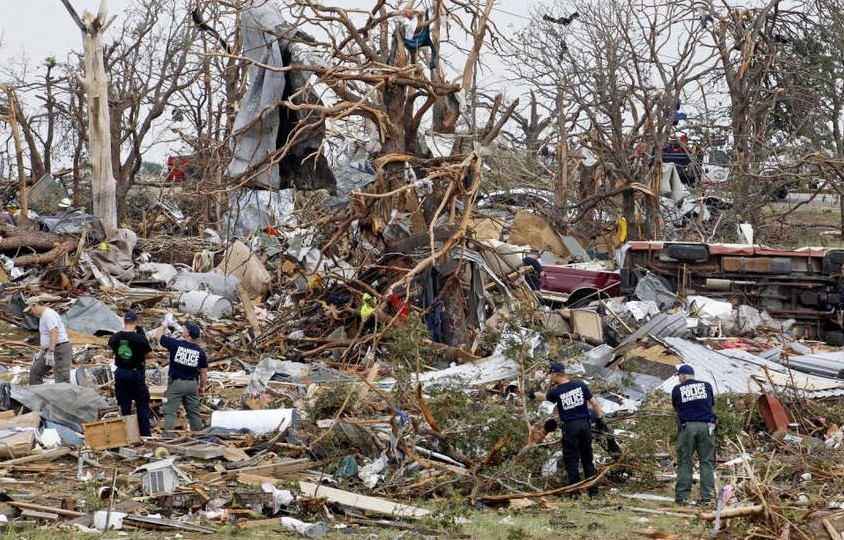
(112, 433)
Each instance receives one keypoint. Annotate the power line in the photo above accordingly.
(494, 8)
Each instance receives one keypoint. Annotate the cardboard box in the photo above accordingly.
(112, 433)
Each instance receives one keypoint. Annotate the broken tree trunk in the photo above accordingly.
(95, 83)
(16, 238)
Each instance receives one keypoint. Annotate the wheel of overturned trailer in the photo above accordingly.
(835, 338)
(583, 297)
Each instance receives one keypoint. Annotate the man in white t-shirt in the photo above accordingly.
(56, 351)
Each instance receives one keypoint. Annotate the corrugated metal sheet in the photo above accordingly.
(660, 325)
(830, 364)
(733, 370)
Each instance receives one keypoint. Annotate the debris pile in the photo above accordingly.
(335, 397)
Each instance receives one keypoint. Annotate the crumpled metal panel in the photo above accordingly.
(732, 370)
(263, 124)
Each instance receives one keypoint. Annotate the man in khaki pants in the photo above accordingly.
(188, 364)
(694, 402)
(56, 351)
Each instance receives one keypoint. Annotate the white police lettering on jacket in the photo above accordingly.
(692, 392)
(186, 357)
(572, 399)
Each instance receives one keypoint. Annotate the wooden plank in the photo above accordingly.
(248, 309)
(49, 509)
(147, 522)
(49, 456)
(735, 512)
(35, 514)
(830, 530)
(281, 469)
(362, 502)
(254, 523)
(255, 480)
(192, 448)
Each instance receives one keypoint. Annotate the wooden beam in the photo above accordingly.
(48, 456)
(248, 309)
(362, 502)
(49, 509)
(735, 512)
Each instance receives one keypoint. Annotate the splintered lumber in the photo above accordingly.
(186, 446)
(282, 469)
(270, 472)
(248, 309)
(361, 502)
(146, 522)
(253, 523)
(48, 456)
(48, 509)
(830, 530)
(735, 512)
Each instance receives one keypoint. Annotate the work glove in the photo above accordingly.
(170, 321)
(599, 423)
(50, 358)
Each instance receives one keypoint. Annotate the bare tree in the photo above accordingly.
(771, 104)
(368, 72)
(615, 71)
(95, 83)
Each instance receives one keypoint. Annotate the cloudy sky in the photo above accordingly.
(41, 28)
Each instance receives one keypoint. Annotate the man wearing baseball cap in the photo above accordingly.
(131, 350)
(694, 402)
(571, 398)
(187, 364)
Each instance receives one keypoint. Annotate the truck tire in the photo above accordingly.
(687, 252)
(583, 297)
(835, 338)
(832, 261)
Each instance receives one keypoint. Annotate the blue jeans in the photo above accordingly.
(130, 385)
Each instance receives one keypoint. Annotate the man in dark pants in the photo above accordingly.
(187, 364)
(131, 350)
(694, 401)
(571, 398)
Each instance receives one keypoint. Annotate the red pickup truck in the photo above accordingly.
(576, 287)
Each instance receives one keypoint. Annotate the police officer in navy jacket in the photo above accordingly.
(571, 398)
(694, 402)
